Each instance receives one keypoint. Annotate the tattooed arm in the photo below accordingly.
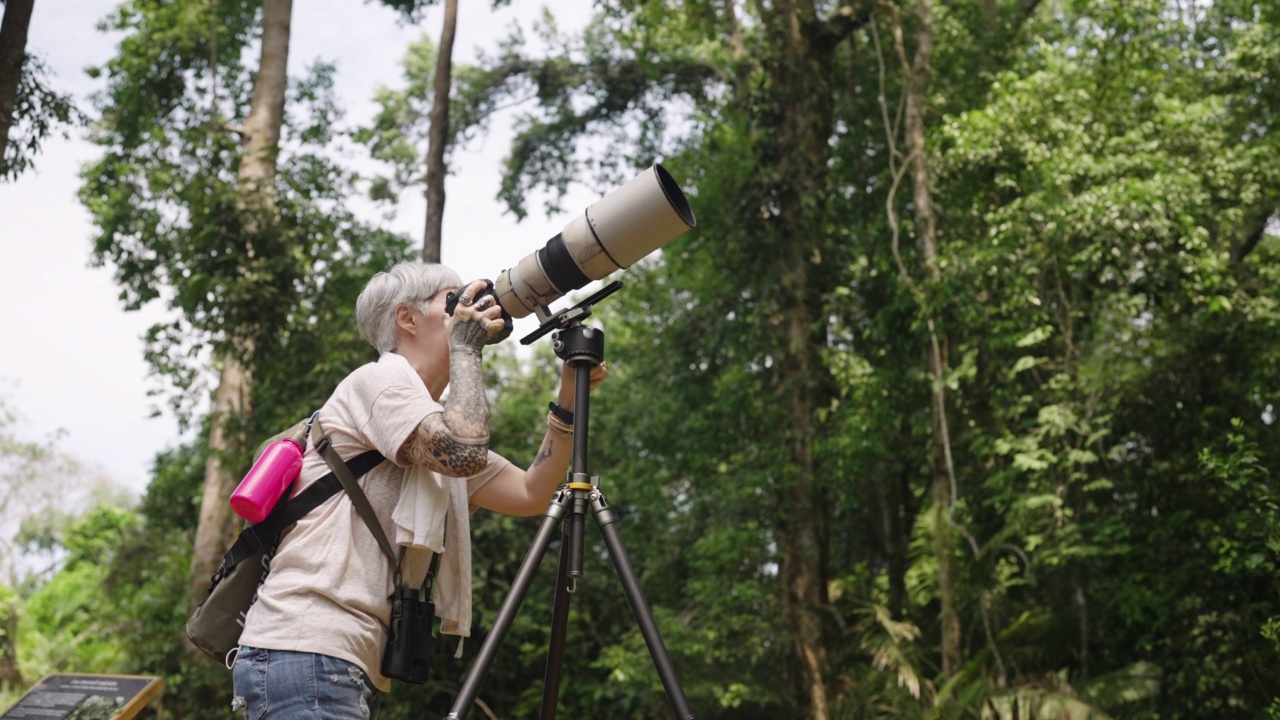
(526, 492)
(456, 442)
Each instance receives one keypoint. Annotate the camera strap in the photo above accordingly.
(362, 505)
(358, 498)
(431, 573)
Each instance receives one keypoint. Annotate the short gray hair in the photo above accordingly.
(407, 283)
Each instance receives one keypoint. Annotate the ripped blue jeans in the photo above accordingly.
(285, 685)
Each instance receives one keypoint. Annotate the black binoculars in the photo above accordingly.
(408, 652)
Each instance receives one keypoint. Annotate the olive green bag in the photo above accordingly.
(215, 626)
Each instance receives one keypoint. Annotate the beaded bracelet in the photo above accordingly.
(556, 423)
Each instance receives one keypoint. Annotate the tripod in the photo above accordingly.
(582, 348)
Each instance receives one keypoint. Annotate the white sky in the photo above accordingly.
(72, 360)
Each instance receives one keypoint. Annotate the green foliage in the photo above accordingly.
(117, 600)
(39, 111)
(398, 135)
(1105, 174)
(166, 201)
(1251, 543)
(66, 623)
(42, 491)
(1108, 216)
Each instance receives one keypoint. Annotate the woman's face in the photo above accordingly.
(436, 334)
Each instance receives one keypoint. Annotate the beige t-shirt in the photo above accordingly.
(330, 580)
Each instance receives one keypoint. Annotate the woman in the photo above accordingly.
(312, 643)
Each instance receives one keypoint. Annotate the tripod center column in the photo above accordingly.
(582, 347)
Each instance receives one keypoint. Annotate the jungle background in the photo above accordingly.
(959, 402)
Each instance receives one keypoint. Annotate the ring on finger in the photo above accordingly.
(464, 299)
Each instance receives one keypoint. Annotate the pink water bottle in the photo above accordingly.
(269, 477)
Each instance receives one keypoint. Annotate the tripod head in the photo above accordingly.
(571, 316)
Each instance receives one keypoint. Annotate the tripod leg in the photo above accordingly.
(559, 625)
(507, 613)
(644, 616)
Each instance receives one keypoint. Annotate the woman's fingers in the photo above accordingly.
(482, 309)
(598, 374)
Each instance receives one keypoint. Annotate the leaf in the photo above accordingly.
(1035, 337)
(1026, 362)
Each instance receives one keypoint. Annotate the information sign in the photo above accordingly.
(86, 697)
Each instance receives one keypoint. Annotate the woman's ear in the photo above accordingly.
(405, 320)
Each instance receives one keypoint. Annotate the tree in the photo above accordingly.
(438, 135)
(942, 489)
(66, 612)
(13, 52)
(10, 672)
(256, 202)
(415, 127)
(255, 237)
(1024, 408)
(239, 226)
(41, 489)
(29, 109)
(1110, 271)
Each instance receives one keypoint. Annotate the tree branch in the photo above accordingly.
(1026, 8)
(1241, 251)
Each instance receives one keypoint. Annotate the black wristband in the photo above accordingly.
(561, 414)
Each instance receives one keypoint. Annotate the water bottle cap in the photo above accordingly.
(299, 436)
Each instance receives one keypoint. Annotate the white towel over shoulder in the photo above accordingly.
(433, 514)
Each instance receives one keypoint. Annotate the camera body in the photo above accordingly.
(407, 656)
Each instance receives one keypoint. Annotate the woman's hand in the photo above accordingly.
(474, 321)
(568, 383)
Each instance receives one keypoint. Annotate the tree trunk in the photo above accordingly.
(257, 172)
(13, 51)
(802, 536)
(438, 136)
(941, 485)
(890, 491)
(266, 110)
(794, 136)
(805, 516)
(218, 525)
